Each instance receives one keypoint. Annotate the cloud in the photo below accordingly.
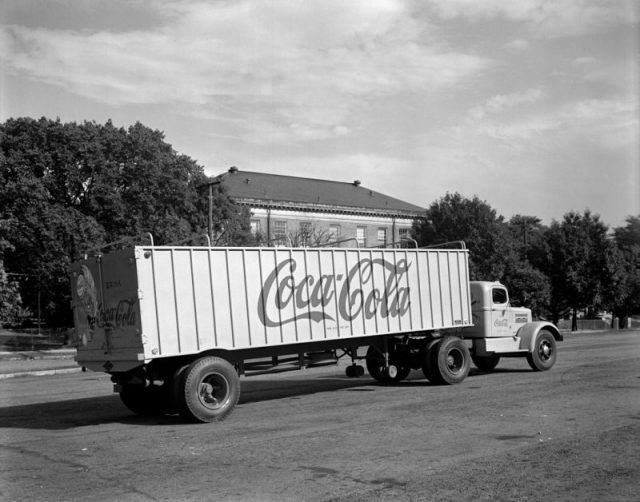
(545, 18)
(502, 102)
(517, 45)
(584, 61)
(299, 70)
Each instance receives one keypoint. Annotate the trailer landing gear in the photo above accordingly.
(354, 371)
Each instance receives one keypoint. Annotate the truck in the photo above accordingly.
(177, 326)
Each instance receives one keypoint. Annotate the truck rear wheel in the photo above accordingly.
(447, 362)
(486, 363)
(543, 355)
(210, 389)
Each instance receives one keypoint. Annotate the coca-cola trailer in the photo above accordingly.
(176, 326)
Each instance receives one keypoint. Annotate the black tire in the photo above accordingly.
(376, 367)
(403, 373)
(427, 365)
(177, 391)
(211, 389)
(543, 356)
(146, 401)
(448, 362)
(486, 363)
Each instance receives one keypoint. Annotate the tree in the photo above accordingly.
(67, 187)
(10, 301)
(456, 218)
(308, 235)
(577, 262)
(497, 250)
(624, 299)
(230, 222)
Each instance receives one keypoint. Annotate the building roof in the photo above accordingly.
(292, 192)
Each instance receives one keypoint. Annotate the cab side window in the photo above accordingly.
(499, 295)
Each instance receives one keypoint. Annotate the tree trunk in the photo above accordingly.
(574, 320)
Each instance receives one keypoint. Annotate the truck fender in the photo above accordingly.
(529, 331)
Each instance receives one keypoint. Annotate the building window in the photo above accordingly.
(361, 236)
(334, 233)
(403, 234)
(305, 228)
(382, 235)
(279, 228)
(255, 227)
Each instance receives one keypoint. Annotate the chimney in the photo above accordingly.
(233, 169)
(356, 183)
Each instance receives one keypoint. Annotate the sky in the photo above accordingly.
(531, 105)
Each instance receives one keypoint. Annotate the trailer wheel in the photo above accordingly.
(146, 401)
(211, 389)
(427, 366)
(177, 391)
(543, 356)
(448, 362)
(376, 367)
(486, 363)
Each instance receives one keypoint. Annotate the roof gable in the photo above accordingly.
(274, 189)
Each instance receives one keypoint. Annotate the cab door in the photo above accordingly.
(501, 315)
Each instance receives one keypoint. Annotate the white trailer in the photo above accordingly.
(177, 326)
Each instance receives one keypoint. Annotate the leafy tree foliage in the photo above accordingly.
(625, 299)
(10, 301)
(497, 250)
(577, 263)
(473, 221)
(230, 223)
(67, 187)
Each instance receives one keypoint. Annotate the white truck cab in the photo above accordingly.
(500, 329)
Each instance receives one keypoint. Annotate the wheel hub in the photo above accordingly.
(545, 350)
(454, 360)
(213, 391)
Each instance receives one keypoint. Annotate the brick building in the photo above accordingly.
(305, 211)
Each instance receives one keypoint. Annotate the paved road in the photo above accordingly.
(567, 434)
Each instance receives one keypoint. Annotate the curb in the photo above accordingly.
(37, 373)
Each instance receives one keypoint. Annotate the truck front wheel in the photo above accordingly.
(211, 389)
(543, 355)
(447, 362)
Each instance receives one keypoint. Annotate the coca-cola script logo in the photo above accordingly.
(357, 294)
(122, 315)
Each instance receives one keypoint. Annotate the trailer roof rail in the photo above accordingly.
(447, 245)
(398, 244)
(331, 243)
(125, 240)
(189, 239)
